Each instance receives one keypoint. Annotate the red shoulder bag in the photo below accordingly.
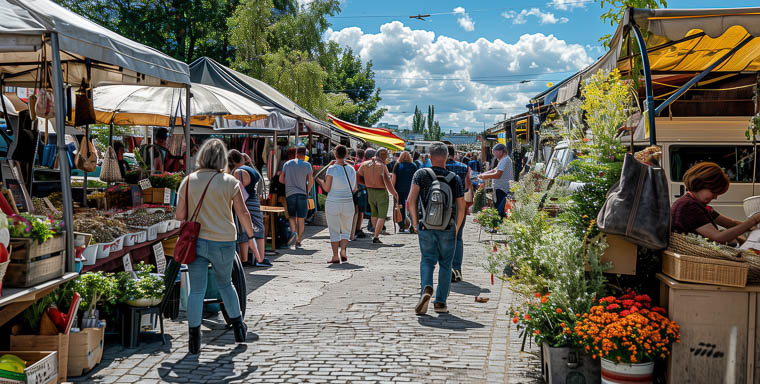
(184, 252)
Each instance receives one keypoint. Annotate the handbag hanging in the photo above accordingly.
(184, 251)
(86, 159)
(110, 171)
(637, 207)
(84, 113)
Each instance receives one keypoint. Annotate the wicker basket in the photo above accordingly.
(704, 270)
(751, 205)
(686, 245)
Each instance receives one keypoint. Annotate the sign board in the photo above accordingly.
(167, 195)
(127, 261)
(158, 251)
(15, 184)
(144, 183)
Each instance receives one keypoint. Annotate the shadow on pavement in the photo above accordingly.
(467, 288)
(345, 266)
(222, 366)
(254, 281)
(448, 321)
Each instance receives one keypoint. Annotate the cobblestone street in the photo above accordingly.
(353, 322)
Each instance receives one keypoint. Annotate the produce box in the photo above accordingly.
(41, 368)
(704, 270)
(33, 263)
(621, 253)
(157, 195)
(58, 343)
(85, 350)
(127, 197)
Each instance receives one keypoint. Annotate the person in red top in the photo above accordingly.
(691, 213)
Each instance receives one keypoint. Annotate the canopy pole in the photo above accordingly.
(110, 134)
(188, 142)
(63, 158)
(84, 185)
(700, 76)
(651, 112)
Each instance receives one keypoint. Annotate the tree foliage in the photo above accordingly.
(418, 121)
(433, 131)
(616, 10)
(292, 73)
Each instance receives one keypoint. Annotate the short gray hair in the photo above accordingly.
(438, 149)
(212, 155)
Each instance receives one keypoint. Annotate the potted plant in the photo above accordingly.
(145, 290)
(93, 287)
(488, 218)
(628, 335)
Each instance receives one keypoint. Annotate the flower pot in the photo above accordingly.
(614, 373)
(144, 302)
(104, 249)
(568, 365)
(163, 226)
(90, 254)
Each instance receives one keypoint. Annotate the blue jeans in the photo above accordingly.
(501, 199)
(459, 253)
(297, 205)
(221, 255)
(437, 247)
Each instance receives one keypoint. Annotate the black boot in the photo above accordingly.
(194, 345)
(240, 329)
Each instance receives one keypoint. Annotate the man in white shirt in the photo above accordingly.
(501, 176)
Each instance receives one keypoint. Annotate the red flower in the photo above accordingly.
(634, 309)
(643, 298)
(628, 303)
(544, 300)
(538, 294)
(515, 319)
(613, 307)
(608, 299)
(527, 317)
(537, 332)
(659, 310)
(559, 310)
(625, 313)
(562, 324)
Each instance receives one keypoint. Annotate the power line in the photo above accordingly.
(442, 13)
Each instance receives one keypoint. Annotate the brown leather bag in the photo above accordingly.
(397, 216)
(84, 113)
(86, 159)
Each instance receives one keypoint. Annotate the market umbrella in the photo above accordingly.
(156, 106)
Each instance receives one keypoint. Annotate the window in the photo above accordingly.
(737, 161)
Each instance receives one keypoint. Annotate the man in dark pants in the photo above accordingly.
(501, 176)
(463, 171)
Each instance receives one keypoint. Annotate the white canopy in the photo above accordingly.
(114, 58)
(144, 105)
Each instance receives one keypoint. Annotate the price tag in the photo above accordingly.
(167, 195)
(158, 250)
(127, 260)
(144, 183)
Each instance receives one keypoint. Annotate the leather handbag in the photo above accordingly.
(637, 207)
(86, 159)
(84, 113)
(184, 251)
(109, 171)
(397, 216)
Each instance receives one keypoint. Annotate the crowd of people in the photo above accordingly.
(430, 193)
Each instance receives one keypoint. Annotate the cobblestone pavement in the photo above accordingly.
(353, 322)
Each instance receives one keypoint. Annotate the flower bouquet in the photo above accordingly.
(547, 322)
(628, 334)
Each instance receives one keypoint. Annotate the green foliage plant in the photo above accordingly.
(607, 103)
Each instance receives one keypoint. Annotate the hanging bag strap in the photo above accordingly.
(348, 180)
(200, 202)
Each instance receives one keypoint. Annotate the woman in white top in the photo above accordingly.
(339, 184)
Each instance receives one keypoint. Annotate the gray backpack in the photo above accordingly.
(438, 209)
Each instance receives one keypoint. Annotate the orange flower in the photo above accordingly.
(537, 332)
(559, 310)
(527, 317)
(515, 320)
(544, 300)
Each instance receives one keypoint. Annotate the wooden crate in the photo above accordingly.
(42, 368)
(169, 245)
(85, 350)
(58, 343)
(26, 250)
(704, 270)
(718, 332)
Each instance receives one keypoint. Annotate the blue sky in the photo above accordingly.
(469, 57)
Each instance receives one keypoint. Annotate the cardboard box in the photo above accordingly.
(718, 332)
(58, 343)
(621, 253)
(41, 367)
(85, 350)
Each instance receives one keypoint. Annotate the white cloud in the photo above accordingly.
(565, 5)
(462, 79)
(543, 17)
(464, 19)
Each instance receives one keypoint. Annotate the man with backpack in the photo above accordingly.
(463, 171)
(438, 217)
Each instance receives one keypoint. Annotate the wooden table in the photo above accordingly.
(16, 300)
(270, 215)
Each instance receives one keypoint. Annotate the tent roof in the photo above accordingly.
(683, 40)
(378, 136)
(114, 58)
(207, 71)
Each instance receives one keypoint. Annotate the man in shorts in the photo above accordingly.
(297, 175)
(374, 175)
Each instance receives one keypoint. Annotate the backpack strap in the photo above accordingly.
(431, 173)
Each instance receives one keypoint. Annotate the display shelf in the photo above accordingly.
(137, 252)
(16, 300)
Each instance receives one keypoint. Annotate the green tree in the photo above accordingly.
(418, 121)
(347, 75)
(433, 131)
(249, 33)
(340, 105)
(301, 28)
(616, 10)
(183, 29)
(293, 74)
